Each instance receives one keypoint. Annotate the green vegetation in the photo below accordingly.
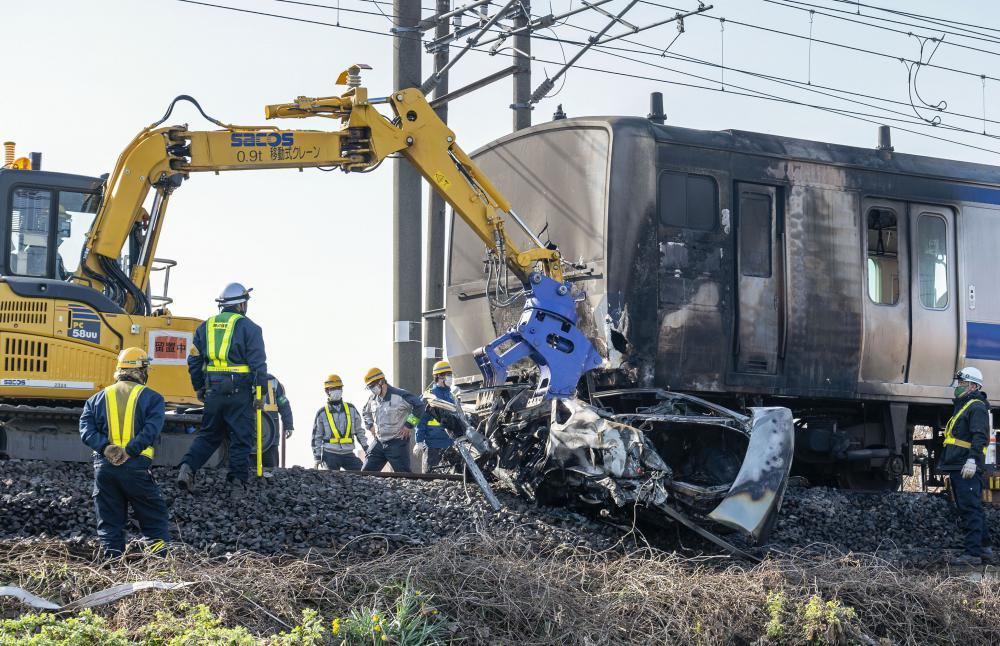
(409, 620)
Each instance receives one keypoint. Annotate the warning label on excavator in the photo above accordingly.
(441, 180)
(169, 347)
(83, 323)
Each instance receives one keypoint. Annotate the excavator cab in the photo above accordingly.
(44, 220)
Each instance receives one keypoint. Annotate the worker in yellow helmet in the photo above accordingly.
(390, 414)
(337, 429)
(121, 423)
(432, 440)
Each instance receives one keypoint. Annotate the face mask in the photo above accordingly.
(335, 395)
(448, 381)
(960, 391)
(375, 390)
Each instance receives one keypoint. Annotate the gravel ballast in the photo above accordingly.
(296, 510)
(300, 509)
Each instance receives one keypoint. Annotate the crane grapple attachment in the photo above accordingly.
(547, 335)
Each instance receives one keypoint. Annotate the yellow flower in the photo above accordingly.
(434, 612)
(335, 628)
(377, 628)
(374, 617)
(384, 638)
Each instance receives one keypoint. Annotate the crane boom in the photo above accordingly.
(160, 158)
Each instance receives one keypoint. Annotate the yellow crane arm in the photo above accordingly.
(159, 158)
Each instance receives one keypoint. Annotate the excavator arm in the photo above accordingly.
(159, 158)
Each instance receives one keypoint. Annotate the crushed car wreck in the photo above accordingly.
(670, 458)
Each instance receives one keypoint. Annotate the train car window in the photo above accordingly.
(688, 201)
(932, 261)
(29, 232)
(755, 234)
(883, 257)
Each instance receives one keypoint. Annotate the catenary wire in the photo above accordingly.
(860, 50)
(843, 15)
(750, 93)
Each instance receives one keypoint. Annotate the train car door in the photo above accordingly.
(886, 300)
(933, 295)
(760, 278)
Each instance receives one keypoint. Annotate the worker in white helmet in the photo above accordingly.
(966, 437)
(226, 365)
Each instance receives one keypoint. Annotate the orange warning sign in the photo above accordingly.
(169, 347)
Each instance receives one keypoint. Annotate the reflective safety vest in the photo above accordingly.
(120, 427)
(335, 436)
(951, 439)
(218, 337)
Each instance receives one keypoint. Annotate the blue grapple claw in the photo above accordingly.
(546, 334)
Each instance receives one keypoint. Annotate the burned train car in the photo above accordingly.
(846, 284)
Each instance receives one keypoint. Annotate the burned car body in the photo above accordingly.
(669, 458)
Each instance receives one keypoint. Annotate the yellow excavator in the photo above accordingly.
(78, 253)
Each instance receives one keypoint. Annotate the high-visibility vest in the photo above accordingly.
(120, 427)
(431, 421)
(951, 439)
(335, 436)
(218, 337)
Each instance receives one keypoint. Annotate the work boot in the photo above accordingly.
(966, 560)
(185, 478)
(988, 556)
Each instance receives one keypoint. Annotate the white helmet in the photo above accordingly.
(233, 294)
(969, 373)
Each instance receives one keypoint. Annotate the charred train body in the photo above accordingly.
(753, 270)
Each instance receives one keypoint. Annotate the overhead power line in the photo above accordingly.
(843, 15)
(741, 91)
(861, 50)
(292, 18)
(971, 28)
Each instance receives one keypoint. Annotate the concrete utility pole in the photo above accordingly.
(522, 77)
(406, 213)
(434, 298)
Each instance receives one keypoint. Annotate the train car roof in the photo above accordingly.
(757, 143)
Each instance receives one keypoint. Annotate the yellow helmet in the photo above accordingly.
(441, 367)
(333, 381)
(373, 375)
(132, 358)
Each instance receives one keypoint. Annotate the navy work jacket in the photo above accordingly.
(972, 427)
(246, 348)
(433, 435)
(148, 423)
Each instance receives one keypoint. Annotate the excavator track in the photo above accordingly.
(47, 432)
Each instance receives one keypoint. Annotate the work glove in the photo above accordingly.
(404, 432)
(200, 394)
(115, 454)
(322, 466)
(288, 432)
(258, 404)
(969, 469)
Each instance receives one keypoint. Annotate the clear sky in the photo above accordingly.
(79, 79)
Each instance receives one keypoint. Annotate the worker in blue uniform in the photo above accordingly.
(431, 438)
(121, 423)
(966, 437)
(274, 397)
(226, 365)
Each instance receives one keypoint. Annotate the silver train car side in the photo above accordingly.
(847, 284)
